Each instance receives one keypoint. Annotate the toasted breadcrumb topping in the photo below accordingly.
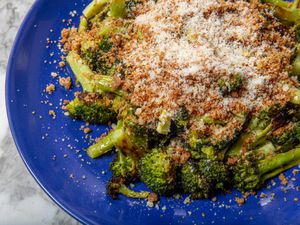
(176, 52)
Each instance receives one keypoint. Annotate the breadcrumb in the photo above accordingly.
(66, 82)
(50, 88)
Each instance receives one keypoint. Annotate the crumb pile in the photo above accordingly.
(180, 49)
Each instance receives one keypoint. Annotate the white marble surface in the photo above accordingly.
(21, 199)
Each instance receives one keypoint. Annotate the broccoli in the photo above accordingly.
(286, 137)
(181, 119)
(203, 146)
(124, 166)
(121, 137)
(124, 170)
(117, 8)
(158, 171)
(90, 81)
(94, 8)
(164, 124)
(92, 108)
(286, 12)
(205, 178)
(251, 171)
(95, 56)
(257, 131)
(233, 84)
(117, 186)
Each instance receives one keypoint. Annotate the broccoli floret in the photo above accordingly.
(233, 84)
(258, 129)
(90, 81)
(286, 12)
(205, 178)
(118, 8)
(92, 108)
(158, 171)
(94, 8)
(251, 171)
(286, 137)
(117, 186)
(121, 137)
(180, 120)
(124, 166)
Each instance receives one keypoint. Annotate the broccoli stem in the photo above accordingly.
(277, 2)
(296, 97)
(279, 170)
(107, 143)
(94, 8)
(286, 11)
(286, 159)
(90, 81)
(132, 194)
(118, 8)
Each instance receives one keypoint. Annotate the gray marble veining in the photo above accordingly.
(21, 199)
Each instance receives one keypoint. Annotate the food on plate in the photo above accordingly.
(204, 95)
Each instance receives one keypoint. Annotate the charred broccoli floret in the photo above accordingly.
(90, 81)
(117, 186)
(251, 172)
(232, 84)
(92, 108)
(286, 137)
(205, 178)
(158, 171)
(95, 56)
(121, 137)
(124, 166)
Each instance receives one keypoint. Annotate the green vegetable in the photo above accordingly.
(205, 178)
(251, 173)
(117, 186)
(233, 84)
(124, 166)
(118, 8)
(121, 137)
(89, 81)
(95, 110)
(94, 8)
(158, 171)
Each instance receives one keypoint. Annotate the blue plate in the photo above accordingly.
(53, 149)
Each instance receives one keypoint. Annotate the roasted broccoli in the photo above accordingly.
(124, 166)
(232, 84)
(158, 171)
(288, 13)
(92, 108)
(121, 137)
(256, 167)
(117, 186)
(204, 178)
(90, 81)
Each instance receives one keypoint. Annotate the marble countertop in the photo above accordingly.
(22, 201)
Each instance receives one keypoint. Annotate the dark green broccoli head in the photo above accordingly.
(124, 166)
(96, 57)
(193, 182)
(246, 176)
(257, 166)
(204, 178)
(92, 108)
(215, 172)
(234, 83)
(181, 119)
(286, 137)
(158, 171)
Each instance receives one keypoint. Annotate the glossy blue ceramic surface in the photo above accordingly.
(52, 149)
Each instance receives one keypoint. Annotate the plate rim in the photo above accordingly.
(13, 51)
